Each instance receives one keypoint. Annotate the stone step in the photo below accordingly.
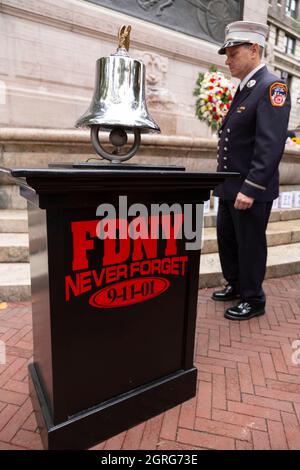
(278, 233)
(10, 197)
(15, 277)
(14, 247)
(14, 281)
(276, 215)
(283, 260)
(13, 221)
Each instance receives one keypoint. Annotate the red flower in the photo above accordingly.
(210, 98)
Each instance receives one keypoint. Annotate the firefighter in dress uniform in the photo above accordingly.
(251, 141)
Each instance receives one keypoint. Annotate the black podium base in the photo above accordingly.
(113, 416)
(113, 317)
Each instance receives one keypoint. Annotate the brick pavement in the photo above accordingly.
(248, 388)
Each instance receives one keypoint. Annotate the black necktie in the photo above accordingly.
(237, 92)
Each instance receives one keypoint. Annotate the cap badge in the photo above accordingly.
(251, 83)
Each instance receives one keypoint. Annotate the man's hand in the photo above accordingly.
(243, 202)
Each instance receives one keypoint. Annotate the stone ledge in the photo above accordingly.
(82, 136)
(37, 147)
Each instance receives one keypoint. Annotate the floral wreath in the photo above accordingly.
(215, 95)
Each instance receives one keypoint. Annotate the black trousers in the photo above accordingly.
(243, 247)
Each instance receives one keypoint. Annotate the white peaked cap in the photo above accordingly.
(241, 32)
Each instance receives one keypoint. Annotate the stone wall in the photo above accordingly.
(48, 54)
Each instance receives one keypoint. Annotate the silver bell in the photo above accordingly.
(118, 104)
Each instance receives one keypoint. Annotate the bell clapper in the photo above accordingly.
(118, 137)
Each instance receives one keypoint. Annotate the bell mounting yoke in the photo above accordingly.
(118, 105)
(118, 137)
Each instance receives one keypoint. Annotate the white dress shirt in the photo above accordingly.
(247, 78)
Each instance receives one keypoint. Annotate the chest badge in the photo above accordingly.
(241, 109)
(251, 84)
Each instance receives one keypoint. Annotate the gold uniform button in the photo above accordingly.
(225, 148)
(225, 167)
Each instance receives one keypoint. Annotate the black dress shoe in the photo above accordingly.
(229, 293)
(244, 311)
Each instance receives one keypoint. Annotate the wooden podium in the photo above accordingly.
(113, 320)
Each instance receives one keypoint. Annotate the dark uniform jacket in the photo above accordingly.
(252, 138)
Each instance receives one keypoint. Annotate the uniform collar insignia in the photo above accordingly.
(251, 83)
